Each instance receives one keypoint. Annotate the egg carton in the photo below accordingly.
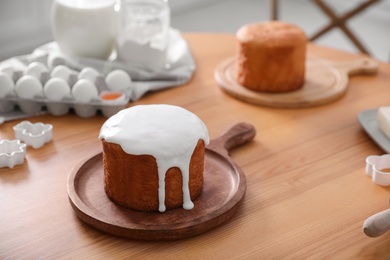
(36, 88)
(39, 103)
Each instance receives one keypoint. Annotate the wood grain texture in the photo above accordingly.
(307, 192)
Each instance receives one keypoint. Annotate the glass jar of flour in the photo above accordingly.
(143, 36)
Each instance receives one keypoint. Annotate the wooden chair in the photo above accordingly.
(335, 21)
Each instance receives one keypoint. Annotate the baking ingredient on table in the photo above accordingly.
(143, 36)
(141, 55)
(27, 87)
(61, 71)
(36, 69)
(6, 84)
(89, 74)
(56, 89)
(118, 80)
(84, 91)
(383, 120)
(171, 136)
(271, 56)
(85, 28)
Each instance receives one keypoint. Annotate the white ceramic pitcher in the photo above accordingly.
(85, 28)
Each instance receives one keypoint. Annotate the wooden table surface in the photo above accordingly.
(307, 191)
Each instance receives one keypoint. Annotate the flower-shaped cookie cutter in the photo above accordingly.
(35, 135)
(11, 153)
(378, 168)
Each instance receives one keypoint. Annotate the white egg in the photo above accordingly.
(6, 84)
(28, 87)
(56, 89)
(84, 91)
(88, 73)
(118, 80)
(61, 71)
(35, 69)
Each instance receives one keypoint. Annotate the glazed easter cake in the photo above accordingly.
(153, 157)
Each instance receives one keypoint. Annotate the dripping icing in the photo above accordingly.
(168, 133)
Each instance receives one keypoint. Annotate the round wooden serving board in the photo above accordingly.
(224, 188)
(325, 81)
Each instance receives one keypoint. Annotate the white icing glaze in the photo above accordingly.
(168, 133)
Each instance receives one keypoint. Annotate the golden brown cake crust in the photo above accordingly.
(132, 180)
(271, 56)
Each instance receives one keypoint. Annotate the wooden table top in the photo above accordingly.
(307, 191)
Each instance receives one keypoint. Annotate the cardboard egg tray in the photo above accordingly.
(11, 101)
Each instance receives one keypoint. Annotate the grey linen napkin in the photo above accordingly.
(178, 69)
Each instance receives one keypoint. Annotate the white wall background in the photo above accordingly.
(25, 24)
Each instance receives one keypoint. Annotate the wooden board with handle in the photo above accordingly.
(223, 191)
(325, 81)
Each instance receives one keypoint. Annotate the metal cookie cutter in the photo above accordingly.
(11, 153)
(35, 135)
(378, 168)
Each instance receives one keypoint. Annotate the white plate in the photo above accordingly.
(368, 121)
